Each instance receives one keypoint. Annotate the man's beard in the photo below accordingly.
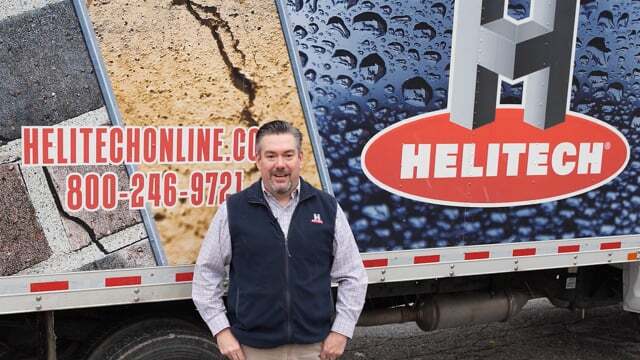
(281, 189)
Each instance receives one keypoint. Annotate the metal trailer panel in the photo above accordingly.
(31, 293)
(94, 288)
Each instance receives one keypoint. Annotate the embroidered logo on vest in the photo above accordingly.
(316, 219)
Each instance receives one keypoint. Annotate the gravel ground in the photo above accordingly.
(540, 331)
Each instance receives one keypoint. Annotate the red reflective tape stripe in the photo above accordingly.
(568, 248)
(188, 276)
(524, 252)
(426, 259)
(476, 255)
(123, 281)
(610, 245)
(375, 262)
(50, 286)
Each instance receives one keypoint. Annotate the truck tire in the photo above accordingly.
(157, 339)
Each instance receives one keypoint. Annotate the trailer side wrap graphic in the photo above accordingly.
(49, 79)
(479, 156)
(485, 45)
(374, 71)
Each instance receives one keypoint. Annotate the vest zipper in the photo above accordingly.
(287, 290)
(287, 255)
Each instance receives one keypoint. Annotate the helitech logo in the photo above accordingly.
(477, 154)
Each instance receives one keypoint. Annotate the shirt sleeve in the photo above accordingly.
(348, 272)
(210, 272)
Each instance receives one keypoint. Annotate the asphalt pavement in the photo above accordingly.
(540, 331)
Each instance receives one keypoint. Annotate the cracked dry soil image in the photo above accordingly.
(197, 63)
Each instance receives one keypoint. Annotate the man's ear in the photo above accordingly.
(258, 157)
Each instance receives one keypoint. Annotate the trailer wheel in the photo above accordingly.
(157, 339)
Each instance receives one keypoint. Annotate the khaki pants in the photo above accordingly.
(284, 352)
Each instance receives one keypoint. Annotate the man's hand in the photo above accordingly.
(229, 346)
(333, 346)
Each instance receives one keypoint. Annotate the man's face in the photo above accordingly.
(279, 162)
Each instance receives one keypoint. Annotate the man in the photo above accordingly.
(284, 242)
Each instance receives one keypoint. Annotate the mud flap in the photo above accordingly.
(631, 287)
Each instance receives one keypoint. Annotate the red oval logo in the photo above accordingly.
(504, 163)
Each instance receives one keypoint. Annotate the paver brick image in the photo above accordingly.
(22, 241)
(99, 223)
(48, 79)
(135, 255)
(47, 75)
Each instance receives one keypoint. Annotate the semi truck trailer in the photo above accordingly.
(485, 153)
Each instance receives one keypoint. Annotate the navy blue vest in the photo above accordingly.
(280, 291)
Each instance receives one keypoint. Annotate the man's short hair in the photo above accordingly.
(277, 127)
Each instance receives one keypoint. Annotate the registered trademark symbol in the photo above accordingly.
(607, 145)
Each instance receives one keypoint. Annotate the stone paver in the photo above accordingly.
(135, 255)
(16, 7)
(47, 75)
(22, 241)
(101, 222)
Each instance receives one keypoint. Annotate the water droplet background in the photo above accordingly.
(369, 64)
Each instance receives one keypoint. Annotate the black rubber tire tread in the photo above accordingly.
(157, 339)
